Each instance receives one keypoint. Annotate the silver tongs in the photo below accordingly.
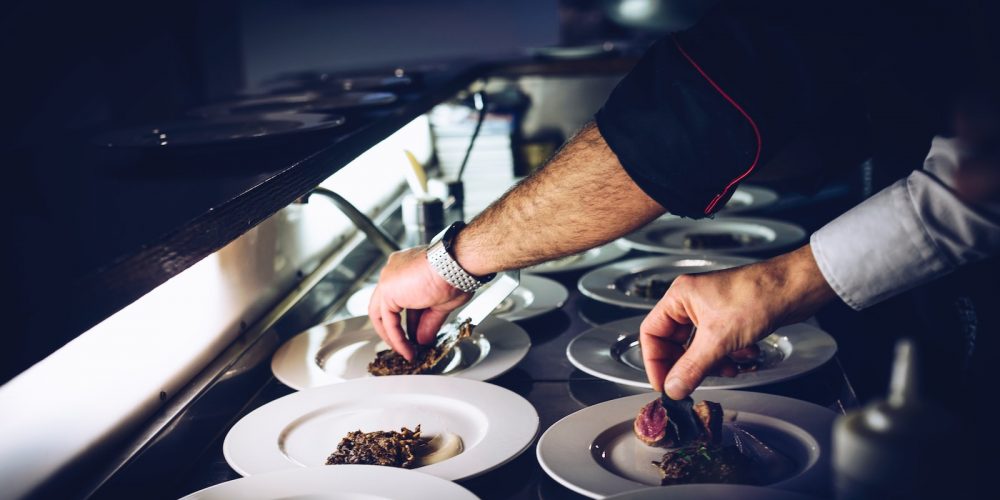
(479, 307)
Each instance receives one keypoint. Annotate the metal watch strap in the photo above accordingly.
(441, 261)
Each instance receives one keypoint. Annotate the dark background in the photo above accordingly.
(74, 69)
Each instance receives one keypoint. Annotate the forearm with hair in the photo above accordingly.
(580, 199)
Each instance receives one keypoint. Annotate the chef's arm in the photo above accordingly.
(912, 232)
(581, 199)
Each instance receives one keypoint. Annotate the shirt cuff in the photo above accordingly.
(877, 249)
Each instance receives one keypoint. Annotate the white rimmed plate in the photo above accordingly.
(593, 451)
(341, 350)
(301, 429)
(536, 295)
(343, 482)
(613, 283)
(712, 492)
(583, 260)
(748, 198)
(611, 352)
(669, 235)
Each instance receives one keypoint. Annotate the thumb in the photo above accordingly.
(430, 324)
(693, 366)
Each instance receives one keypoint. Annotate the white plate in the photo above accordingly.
(748, 198)
(712, 492)
(593, 451)
(341, 350)
(667, 235)
(302, 429)
(593, 257)
(534, 296)
(611, 352)
(611, 283)
(343, 482)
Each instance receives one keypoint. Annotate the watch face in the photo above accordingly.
(450, 233)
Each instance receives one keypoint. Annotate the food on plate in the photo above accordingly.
(710, 416)
(705, 463)
(389, 448)
(700, 241)
(406, 449)
(653, 426)
(702, 460)
(747, 360)
(426, 360)
(649, 289)
(388, 362)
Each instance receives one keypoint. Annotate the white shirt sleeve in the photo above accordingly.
(912, 232)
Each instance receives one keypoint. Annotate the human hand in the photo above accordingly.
(408, 282)
(732, 310)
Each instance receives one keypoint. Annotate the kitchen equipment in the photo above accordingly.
(297, 102)
(533, 297)
(480, 306)
(892, 448)
(423, 218)
(219, 130)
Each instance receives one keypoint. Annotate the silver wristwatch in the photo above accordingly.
(439, 255)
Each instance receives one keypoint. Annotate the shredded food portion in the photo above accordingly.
(706, 464)
(388, 448)
(426, 360)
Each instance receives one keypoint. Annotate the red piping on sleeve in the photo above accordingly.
(753, 125)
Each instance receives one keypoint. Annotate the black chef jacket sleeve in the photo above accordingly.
(705, 108)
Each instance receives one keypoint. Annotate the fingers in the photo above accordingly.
(661, 338)
(694, 365)
(667, 321)
(397, 339)
(412, 321)
(430, 324)
(658, 355)
(375, 314)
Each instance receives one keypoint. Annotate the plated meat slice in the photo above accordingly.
(653, 427)
(709, 414)
(389, 448)
(706, 464)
